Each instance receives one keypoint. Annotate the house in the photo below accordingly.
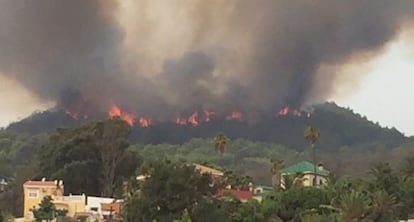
(103, 206)
(306, 169)
(260, 192)
(35, 191)
(209, 170)
(215, 174)
(242, 195)
(112, 210)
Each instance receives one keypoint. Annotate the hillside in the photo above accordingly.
(338, 127)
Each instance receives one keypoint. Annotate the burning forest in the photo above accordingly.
(194, 119)
(190, 63)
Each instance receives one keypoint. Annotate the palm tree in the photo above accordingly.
(220, 142)
(312, 135)
(384, 178)
(408, 168)
(353, 205)
(383, 206)
(277, 165)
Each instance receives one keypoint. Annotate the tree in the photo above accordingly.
(111, 138)
(407, 189)
(98, 149)
(185, 217)
(288, 205)
(293, 180)
(220, 142)
(312, 135)
(384, 207)
(408, 168)
(1, 216)
(277, 165)
(353, 205)
(47, 210)
(384, 178)
(168, 190)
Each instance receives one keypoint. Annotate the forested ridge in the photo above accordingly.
(340, 127)
(349, 145)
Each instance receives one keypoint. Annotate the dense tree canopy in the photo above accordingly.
(100, 150)
(90, 158)
(168, 190)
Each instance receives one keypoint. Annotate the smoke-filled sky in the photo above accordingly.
(169, 57)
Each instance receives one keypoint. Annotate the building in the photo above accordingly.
(209, 170)
(306, 169)
(35, 191)
(242, 195)
(72, 203)
(261, 192)
(215, 174)
(112, 210)
(103, 207)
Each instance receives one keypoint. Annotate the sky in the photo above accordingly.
(385, 96)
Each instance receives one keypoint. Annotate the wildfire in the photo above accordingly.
(193, 119)
(208, 114)
(295, 112)
(236, 115)
(181, 121)
(145, 122)
(116, 111)
(284, 111)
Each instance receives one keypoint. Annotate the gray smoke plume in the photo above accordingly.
(166, 58)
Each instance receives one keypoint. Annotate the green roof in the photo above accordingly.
(266, 191)
(303, 167)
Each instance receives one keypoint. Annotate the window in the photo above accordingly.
(94, 209)
(33, 193)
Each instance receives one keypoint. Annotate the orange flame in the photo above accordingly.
(236, 115)
(208, 114)
(295, 112)
(284, 111)
(145, 122)
(116, 111)
(193, 119)
(181, 121)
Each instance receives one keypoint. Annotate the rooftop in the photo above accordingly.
(41, 183)
(263, 190)
(304, 167)
(239, 194)
(206, 169)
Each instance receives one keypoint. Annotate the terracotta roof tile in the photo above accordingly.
(39, 183)
(239, 194)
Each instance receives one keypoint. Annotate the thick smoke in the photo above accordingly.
(165, 58)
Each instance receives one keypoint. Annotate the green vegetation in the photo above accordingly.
(169, 190)
(47, 210)
(109, 160)
(97, 149)
(174, 191)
